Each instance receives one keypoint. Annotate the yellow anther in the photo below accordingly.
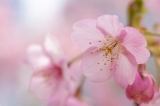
(91, 52)
(101, 69)
(112, 58)
(110, 51)
(89, 42)
(106, 53)
(99, 41)
(97, 63)
(111, 69)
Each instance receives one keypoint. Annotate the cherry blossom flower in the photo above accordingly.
(51, 79)
(142, 90)
(110, 49)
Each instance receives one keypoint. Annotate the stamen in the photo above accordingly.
(106, 53)
(114, 63)
(110, 49)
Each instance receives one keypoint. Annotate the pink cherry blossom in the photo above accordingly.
(155, 101)
(142, 90)
(51, 79)
(110, 49)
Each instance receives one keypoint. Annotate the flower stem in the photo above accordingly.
(75, 59)
(158, 69)
(135, 13)
(151, 33)
(79, 89)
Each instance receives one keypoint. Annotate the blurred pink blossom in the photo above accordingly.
(51, 80)
(110, 48)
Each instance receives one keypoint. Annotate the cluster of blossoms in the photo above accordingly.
(114, 50)
(110, 49)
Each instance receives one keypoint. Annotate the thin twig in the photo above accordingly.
(151, 33)
(79, 89)
(75, 59)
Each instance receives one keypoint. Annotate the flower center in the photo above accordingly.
(54, 72)
(110, 49)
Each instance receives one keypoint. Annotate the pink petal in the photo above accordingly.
(46, 84)
(138, 87)
(96, 72)
(70, 84)
(86, 32)
(110, 25)
(135, 42)
(149, 93)
(126, 70)
(37, 58)
(59, 98)
(122, 36)
(52, 47)
(40, 87)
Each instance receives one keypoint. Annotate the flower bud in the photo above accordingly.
(142, 90)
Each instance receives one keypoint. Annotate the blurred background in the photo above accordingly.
(24, 22)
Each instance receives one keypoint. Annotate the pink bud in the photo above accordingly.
(142, 90)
